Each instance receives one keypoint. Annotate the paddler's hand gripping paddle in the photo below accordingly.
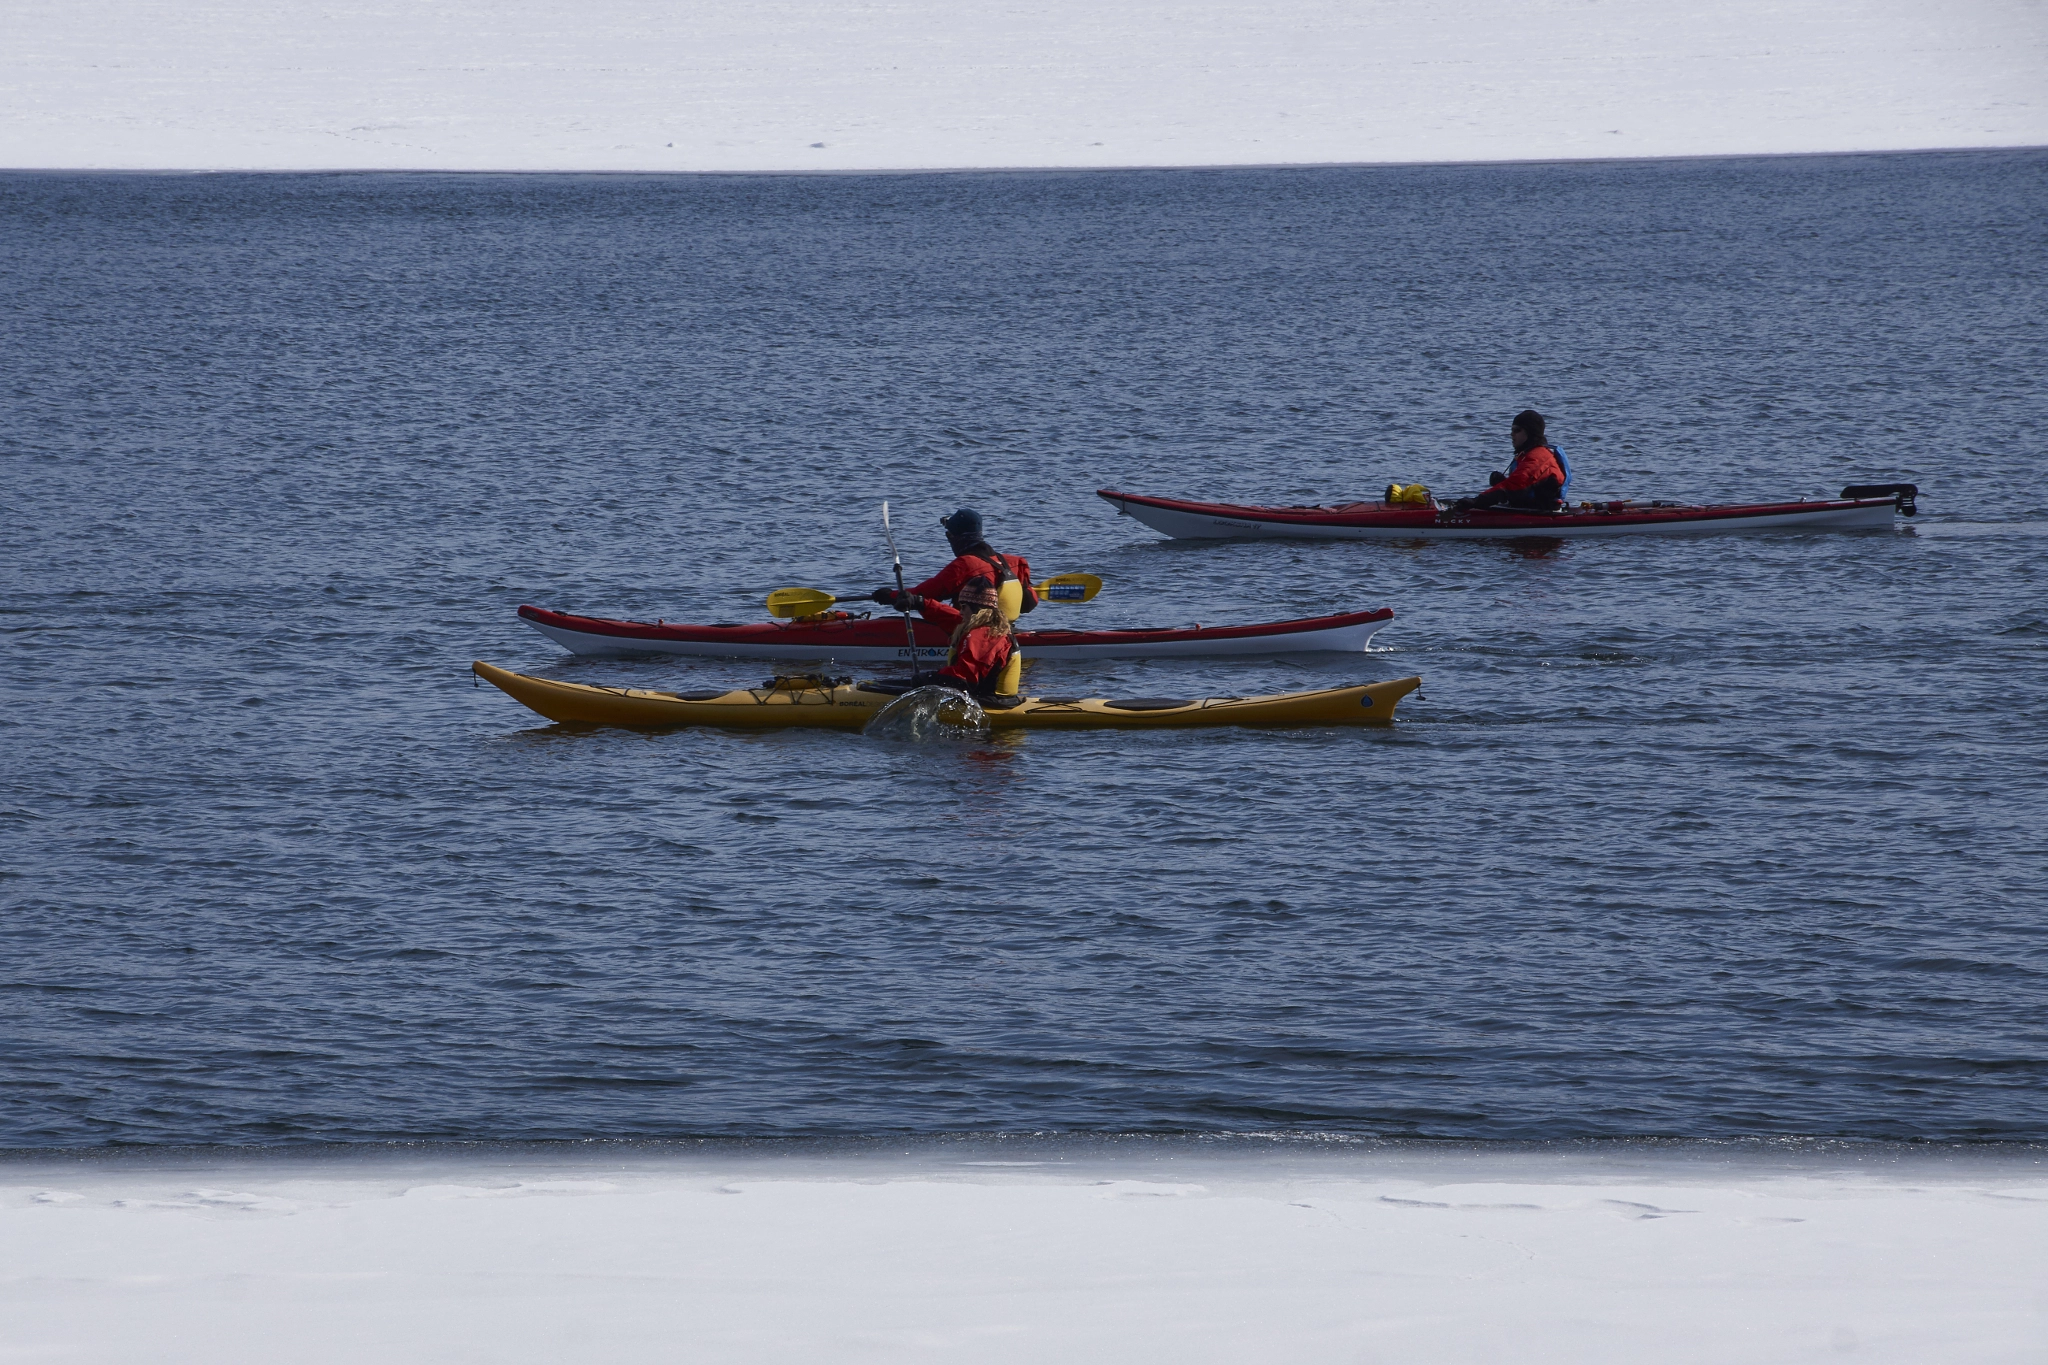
(1066, 587)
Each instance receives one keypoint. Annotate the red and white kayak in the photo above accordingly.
(1870, 508)
(881, 640)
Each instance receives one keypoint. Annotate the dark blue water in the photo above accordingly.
(1696, 838)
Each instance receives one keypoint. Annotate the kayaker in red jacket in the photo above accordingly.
(972, 557)
(982, 641)
(1534, 482)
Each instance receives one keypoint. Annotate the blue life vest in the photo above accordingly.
(1565, 465)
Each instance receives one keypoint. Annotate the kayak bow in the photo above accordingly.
(850, 706)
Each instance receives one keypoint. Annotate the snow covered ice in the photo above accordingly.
(1159, 1255)
(806, 85)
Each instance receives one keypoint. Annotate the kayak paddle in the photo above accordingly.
(1069, 587)
(909, 629)
(786, 602)
(1066, 587)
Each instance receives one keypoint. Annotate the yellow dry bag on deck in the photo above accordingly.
(1407, 493)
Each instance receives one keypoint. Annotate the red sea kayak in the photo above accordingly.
(880, 639)
(1860, 508)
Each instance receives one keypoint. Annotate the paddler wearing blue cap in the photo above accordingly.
(973, 557)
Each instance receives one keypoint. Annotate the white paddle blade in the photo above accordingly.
(895, 556)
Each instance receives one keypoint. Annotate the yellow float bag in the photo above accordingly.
(1010, 599)
(1013, 673)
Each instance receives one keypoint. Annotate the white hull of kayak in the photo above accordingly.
(613, 647)
(1203, 526)
(1342, 640)
(1352, 639)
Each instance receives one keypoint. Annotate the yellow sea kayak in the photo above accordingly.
(849, 706)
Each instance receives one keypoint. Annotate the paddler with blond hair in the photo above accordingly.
(982, 660)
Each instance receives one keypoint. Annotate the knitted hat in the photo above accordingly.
(1529, 420)
(975, 594)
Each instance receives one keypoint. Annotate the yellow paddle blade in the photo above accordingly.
(1069, 587)
(788, 602)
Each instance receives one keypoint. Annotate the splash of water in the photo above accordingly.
(928, 714)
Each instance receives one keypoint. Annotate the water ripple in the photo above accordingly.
(1739, 837)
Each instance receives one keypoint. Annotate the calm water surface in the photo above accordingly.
(1693, 838)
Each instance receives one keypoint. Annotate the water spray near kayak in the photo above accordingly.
(929, 714)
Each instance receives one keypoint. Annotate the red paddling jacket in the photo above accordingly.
(978, 660)
(1525, 485)
(1531, 467)
(979, 564)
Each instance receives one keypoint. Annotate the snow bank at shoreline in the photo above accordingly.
(721, 85)
(1024, 1256)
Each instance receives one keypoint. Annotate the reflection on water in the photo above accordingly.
(1533, 547)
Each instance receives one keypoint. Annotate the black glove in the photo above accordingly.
(886, 596)
(1462, 505)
